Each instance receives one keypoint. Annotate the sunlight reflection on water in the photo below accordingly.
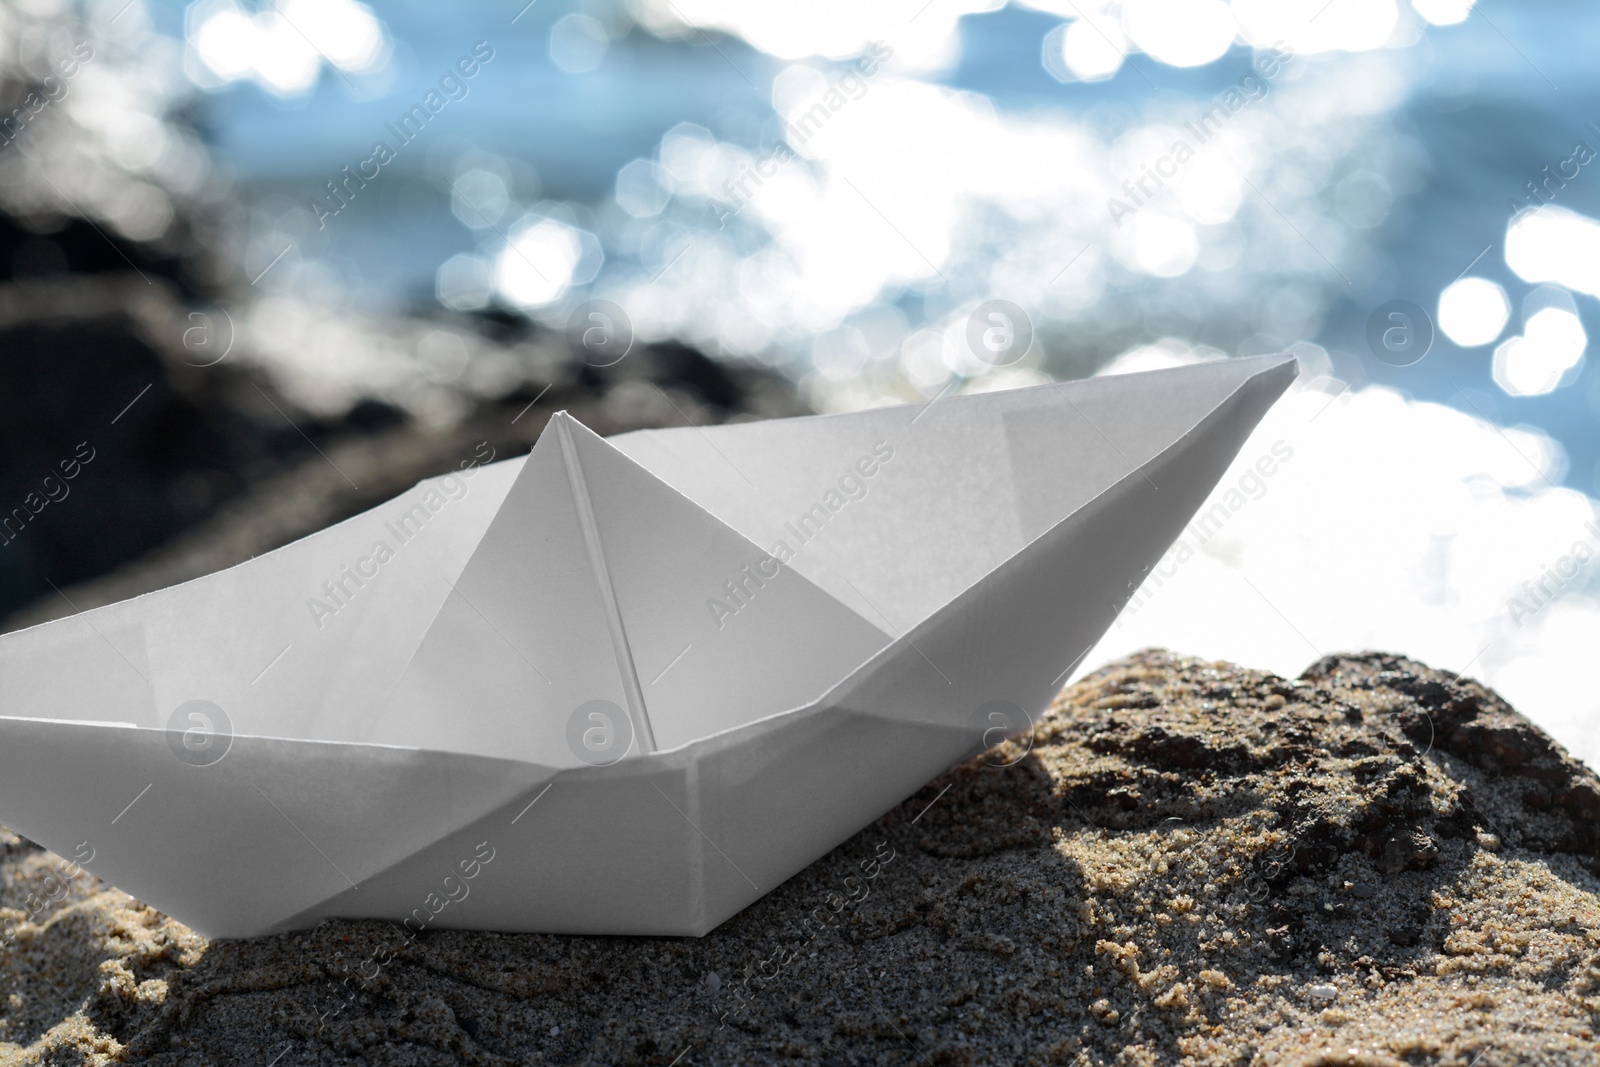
(847, 233)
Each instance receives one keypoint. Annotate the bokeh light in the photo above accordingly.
(465, 282)
(1443, 12)
(1551, 244)
(283, 47)
(1091, 48)
(578, 43)
(1311, 26)
(541, 261)
(1473, 311)
(1182, 33)
(1551, 344)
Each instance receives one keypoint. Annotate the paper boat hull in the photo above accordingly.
(673, 842)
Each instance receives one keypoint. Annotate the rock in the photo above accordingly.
(1383, 864)
(196, 468)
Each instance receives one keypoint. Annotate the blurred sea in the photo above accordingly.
(836, 192)
(1476, 109)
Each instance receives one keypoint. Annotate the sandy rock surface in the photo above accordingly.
(1377, 864)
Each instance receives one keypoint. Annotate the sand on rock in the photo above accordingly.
(1183, 862)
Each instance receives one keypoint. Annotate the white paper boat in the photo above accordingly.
(578, 692)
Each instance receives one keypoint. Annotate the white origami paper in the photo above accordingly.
(619, 686)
